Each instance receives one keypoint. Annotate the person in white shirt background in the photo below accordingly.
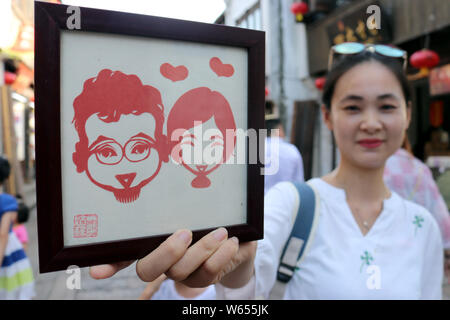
(363, 227)
(283, 156)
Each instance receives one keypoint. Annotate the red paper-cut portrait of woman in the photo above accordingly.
(211, 110)
(121, 144)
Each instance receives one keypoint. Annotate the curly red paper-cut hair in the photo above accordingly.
(110, 95)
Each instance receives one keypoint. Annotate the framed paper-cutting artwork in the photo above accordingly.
(142, 128)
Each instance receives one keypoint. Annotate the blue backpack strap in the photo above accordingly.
(301, 235)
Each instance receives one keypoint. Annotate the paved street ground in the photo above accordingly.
(123, 286)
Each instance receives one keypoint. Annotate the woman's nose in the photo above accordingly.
(371, 121)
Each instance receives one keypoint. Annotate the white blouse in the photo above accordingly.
(401, 257)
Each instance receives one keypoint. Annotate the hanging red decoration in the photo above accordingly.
(10, 77)
(424, 58)
(267, 91)
(437, 113)
(299, 9)
(320, 83)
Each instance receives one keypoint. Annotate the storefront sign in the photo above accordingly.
(354, 28)
(440, 80)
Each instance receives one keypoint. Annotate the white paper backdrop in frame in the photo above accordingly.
(169, 201)
(125, 106)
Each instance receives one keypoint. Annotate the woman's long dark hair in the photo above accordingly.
(347, 62)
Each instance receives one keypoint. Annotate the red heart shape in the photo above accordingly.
(173, 73)
(222, 70)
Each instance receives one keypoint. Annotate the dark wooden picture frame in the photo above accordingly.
(50, 21)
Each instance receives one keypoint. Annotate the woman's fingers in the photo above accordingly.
(197, 254)
(162, 258)
(213, 268)
(241, 268)
(205, 262)
(108, 270)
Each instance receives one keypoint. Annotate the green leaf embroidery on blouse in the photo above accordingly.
(418, 222)
(366, 260)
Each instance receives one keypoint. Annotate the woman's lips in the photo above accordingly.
(370, 143)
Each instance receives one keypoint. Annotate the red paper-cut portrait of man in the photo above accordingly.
(209, 109)
(121, 144)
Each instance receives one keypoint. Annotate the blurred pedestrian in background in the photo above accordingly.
(16, 276)
(282, 159)
(21, 233)
(413, 180)
(19, 228)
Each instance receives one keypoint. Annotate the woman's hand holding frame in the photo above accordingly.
(206, 262)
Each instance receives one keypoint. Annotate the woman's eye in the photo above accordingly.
(351, 108)
(388, 107)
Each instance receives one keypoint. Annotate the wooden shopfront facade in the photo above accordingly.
(409, 24)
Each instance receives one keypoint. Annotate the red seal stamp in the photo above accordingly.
(85, 226)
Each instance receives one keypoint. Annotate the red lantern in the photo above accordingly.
(266, 92)
(299, 9)
(424, 59)
(320, 83)
(10, 77)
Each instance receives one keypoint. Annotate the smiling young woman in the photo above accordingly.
(365, 231)
(368, 114)
(369, 243)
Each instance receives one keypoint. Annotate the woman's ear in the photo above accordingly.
(326, 113)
